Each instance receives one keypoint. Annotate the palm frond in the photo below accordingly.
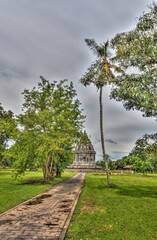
(106, 45)
(91, 43)
(106, 49)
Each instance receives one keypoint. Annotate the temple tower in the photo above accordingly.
(84, 156)
(84, 152)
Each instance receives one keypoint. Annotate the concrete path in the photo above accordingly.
(45, 216)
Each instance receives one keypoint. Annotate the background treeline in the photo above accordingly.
(142, 158)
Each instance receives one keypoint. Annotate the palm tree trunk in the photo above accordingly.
(102, 136)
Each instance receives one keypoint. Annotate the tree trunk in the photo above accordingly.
(46, 173)
(58, 173)
(102, 136)
(51, 167)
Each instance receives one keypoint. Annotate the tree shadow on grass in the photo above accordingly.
(33, 182)
(104, 185)
(133, 190)
(140, 175)
(138, 191)
(40, 181)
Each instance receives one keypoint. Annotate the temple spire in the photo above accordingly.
(84, 155)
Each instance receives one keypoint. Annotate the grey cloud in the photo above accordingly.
(42, 35)
(47, 38)
(110, 141)
(97, 140)
(118, 154)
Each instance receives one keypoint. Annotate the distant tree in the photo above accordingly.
(153, 162)
(100, 74)
(137, 165)
(142, 166)
(124, 161)
(111, 165)
(146, 167)
(143, 157)
(136, 52)
(101, 163)
(129, 160)
(119, 164)
(48, 129)
(146, 147)
(7, 127)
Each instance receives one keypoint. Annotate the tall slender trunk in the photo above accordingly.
(102, 136)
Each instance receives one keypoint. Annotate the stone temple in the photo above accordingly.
(84, 156)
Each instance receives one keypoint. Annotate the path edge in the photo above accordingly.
(65, 228)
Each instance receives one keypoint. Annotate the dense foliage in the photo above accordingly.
(7, 126)
(48, 128)
(146, 146)
(101, 163)
(143, 156)
(136, 52)
(146, 149)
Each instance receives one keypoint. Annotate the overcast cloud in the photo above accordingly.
(46, 37)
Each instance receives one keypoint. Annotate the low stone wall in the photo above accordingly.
(84, 170)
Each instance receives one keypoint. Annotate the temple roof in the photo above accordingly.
(85, 145)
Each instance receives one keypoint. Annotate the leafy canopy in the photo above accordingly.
(7, 127)
(136, 52)
(100, 72)
(48, 128)
(146, 146)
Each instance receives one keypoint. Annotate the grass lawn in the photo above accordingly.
(14, 192)
(126, 213)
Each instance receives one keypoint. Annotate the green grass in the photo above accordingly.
(126, 213)
(13, 192)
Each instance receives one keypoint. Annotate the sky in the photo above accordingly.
(46, 37)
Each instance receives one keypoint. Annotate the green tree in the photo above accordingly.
(129, 160)
(111, 164)
(7, 127)
(63, 160)
(48, 128)
(100, 74)
(126, 160)
(136, 52)
(146, 147)
(153, 161)
(142, 166)
(119, 164)
(146, 167)
(137, 166)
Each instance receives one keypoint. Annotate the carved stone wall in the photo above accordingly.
(84, 156)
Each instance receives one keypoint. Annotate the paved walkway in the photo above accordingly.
(45, 216)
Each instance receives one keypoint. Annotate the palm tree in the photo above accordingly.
(100, 74)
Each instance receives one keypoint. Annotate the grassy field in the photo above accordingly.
(14, 192)
(126, 213)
